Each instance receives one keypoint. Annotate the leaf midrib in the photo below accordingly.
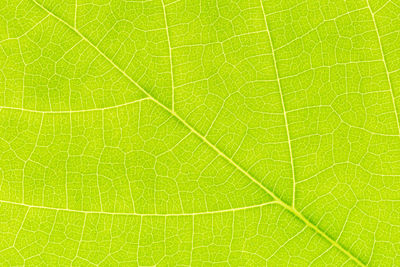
(277, 200)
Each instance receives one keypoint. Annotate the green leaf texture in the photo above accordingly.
(188, 132)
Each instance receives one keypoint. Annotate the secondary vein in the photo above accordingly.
(386, 68)
(283, 105)
(170, 56)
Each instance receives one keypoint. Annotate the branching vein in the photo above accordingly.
(276, 199)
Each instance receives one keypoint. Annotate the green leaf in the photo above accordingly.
(186, 132)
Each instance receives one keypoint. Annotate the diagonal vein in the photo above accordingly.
(277, 200)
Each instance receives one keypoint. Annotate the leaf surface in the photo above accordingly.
(244, 133)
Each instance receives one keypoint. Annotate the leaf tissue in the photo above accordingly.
(199, 133)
